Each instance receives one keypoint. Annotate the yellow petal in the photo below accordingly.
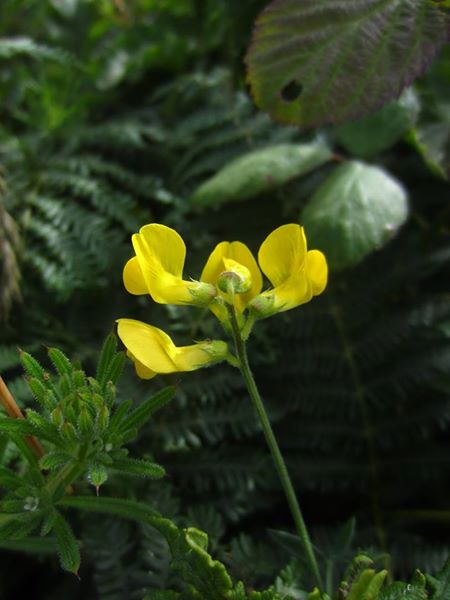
(164, 245)
(282, 253)
(161, 251)
(141, 370)
(152, 350)
(149, 345)
(214, 265)
(317, 269)
(133, 278)
(295, 290)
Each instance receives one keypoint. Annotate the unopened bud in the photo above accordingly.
(237, 277)
(202, 293)
(262, 306)
(216, 349)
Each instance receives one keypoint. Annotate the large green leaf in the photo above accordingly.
(354, 212)
(312, 63)
(260, 171)
(370, 135)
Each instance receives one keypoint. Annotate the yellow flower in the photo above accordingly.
(295, 273)
(235, 262)
(157, 269)
(153, 351)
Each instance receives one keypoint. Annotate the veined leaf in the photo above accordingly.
(357, 210)
(331, 61)
(261, 171)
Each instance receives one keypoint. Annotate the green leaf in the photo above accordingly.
(356, 210)
(402, 591)
(53, 460)
(205, 577)
(143, 468)
(106, 355)
(370, 135)
(261, 171)
(144, 411)
(35, 545)
(60, 361)
(312, 63)
(68, 551)
(128, 509)
(33, 368)
(440, 585)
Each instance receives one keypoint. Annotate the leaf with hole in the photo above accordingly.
(312, 63)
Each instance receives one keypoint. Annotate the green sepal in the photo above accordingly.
(144, 411)
(67, 545)
(60, 361)
(143, 468)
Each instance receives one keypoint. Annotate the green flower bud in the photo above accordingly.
(237, 277)
(216, 349)
(262, 306)
(202, 293)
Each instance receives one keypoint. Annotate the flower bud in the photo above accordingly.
(216, 349)
(262, 306)
(202, 293)
(237, 277)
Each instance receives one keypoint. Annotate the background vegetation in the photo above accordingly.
(116, 114)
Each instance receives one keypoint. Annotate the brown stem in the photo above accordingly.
(10, 405)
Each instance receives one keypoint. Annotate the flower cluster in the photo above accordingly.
(231, 280)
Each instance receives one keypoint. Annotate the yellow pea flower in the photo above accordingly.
(157, 269)
(235, 261)
(153, 351)
(295, 273)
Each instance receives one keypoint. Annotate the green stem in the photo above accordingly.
(280, 465)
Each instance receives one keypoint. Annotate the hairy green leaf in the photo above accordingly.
(320, 62)
(68, 551)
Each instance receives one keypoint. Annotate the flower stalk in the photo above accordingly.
(280, 465)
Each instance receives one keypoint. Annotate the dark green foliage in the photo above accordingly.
(100, 137)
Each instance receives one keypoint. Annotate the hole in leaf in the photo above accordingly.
(291, 91)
